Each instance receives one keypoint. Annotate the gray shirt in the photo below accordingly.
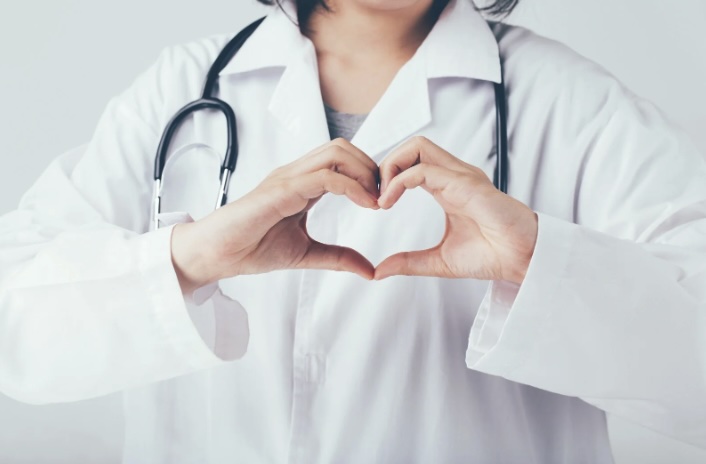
(343, 125)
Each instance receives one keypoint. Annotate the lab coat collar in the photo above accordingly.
(273, 44)
(460, 44)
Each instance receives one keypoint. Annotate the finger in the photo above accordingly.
(432, 178)
(336, 258)
(351, 149)
(414, 151)
(348, 150)
(339, 159)
(419, 263)
(315, 184)
(357, 152)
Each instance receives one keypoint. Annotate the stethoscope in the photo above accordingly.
(209, 102)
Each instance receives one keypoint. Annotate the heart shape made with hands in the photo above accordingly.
(415, 222)
(488, 235)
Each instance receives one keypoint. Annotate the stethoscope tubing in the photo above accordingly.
(209, 102)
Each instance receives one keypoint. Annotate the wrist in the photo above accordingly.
(190, 258)
(525, 251)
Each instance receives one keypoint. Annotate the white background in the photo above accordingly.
(62, 60)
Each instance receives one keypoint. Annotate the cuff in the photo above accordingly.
(172, 310)
(491, 318)
(512, 318)
(221, 321)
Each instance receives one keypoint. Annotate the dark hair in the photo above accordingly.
(495, 8)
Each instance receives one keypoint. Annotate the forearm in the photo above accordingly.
(93, 311)
(617, 323)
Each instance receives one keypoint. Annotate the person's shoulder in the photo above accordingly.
(174, 78)
(189, 61)
(524, 50)
(550, 78)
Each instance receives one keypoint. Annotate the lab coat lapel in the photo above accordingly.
(460, 45)
(401, 111)
(297, 103)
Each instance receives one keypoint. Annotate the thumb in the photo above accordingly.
(336, 258)
(418, 263)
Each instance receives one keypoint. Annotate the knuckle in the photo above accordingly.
(338, 151)
(420, 140)
(325, 176)
(339, 142)
(320, 175)
(396, 180)
(416, 170)
(334, 153)
(389, 167)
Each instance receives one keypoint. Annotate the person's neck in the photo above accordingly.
(353, 32)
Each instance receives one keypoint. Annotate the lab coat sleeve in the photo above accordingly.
(89, 301)
(613, 306)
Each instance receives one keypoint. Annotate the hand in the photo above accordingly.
(265, 230)
(489, 235)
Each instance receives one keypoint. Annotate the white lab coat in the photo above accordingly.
(310, 366)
